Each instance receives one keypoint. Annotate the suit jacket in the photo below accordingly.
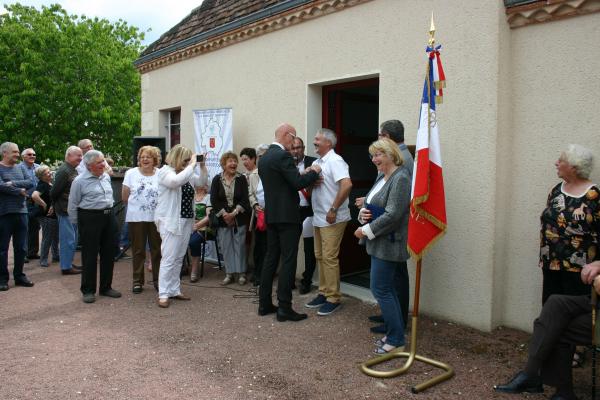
(307, 211)
(391, 228)
(281, 182)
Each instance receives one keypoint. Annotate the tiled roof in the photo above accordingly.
(211, 14)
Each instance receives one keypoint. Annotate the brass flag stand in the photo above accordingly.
(412, 355)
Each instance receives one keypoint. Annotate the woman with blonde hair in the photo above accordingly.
(231, 205)
(140, 193)
(385, 230)
(174, 217)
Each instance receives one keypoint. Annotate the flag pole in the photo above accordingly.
(412, 355)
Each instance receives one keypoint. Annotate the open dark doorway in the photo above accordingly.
(351, 110)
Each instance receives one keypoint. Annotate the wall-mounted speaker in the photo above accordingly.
(141, 141)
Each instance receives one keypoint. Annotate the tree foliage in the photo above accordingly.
(67, 77)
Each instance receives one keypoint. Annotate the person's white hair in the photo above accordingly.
(579, 158)
(261, 149)
(70, 150)
(329, 135)
(91, 156)
(6, 146)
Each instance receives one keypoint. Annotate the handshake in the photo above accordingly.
(313, 167)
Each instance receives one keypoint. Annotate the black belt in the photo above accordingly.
(103, 211)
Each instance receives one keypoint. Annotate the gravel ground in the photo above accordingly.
(216, 347)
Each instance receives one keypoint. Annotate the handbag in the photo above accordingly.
(261, 223)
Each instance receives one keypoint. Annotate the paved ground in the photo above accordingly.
(217, 347)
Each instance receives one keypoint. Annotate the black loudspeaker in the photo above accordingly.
(141, 141)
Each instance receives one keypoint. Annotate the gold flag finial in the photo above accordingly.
(432, 32)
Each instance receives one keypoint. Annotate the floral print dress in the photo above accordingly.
(569, 230)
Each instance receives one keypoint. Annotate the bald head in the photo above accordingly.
(285, 135)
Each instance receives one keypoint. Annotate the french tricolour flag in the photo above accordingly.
(427, 221)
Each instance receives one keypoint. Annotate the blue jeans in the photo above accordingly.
(383, 287)
(14, 225)
(196, 241)
(67, 234)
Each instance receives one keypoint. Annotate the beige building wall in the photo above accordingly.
(483, 272)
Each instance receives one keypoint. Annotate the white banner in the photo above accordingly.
(214, 136)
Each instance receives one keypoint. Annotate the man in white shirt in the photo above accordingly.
(331, 215)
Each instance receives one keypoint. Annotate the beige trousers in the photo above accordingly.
(327, 249)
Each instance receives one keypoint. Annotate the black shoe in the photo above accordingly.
(111, 293)
(289, 315)
(266, 310)
(378, 329)
(71, 271)
(304, 289)
(376, 318)
(89, 298)
(33, 257)
(3, 287)
(569, 395)
(521, 383)
(77, 267)
(24, 282)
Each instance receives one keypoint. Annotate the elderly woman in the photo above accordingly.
(47, 217)
(174, 217)
(570, 224)
(229, 199)
(140, 193)
(91, 208)
(386, 212)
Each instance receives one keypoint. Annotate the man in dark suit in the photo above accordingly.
(281, 182)
(303, 162)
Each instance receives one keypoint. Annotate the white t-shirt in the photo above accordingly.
(333, 169)
(143, 195)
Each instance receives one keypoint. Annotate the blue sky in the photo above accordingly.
(158, 15)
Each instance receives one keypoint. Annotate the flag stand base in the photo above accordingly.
(412, 355)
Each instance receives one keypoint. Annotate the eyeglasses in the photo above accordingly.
(291, 134)
(297, 147)
(382, 134)
(30, 155)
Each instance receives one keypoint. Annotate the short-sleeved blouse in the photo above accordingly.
(569, 230)
(143, 196)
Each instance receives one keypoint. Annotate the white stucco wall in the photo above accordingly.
(483, 272)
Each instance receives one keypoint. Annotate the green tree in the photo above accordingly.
(67, 77)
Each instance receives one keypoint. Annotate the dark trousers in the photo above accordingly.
(260, 252)
(565, 322)
(282, 241)
(97, 231)
(310, 262)
(141, 233)
(562, 282)
(15, 226)
(33, 232)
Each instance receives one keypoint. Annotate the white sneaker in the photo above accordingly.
(228, 279)
(242, 280)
